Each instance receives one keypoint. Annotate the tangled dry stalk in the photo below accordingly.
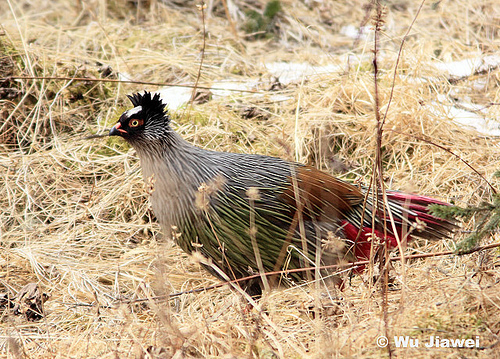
(75, 215)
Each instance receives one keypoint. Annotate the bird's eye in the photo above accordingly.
(135, 122)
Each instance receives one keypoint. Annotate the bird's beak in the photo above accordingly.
(116, 130)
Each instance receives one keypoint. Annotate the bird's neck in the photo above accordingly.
(173, 172)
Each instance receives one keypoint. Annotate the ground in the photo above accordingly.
(294, 81)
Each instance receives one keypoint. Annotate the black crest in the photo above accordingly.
(151, 105)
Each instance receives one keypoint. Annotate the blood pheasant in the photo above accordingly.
(247, 212)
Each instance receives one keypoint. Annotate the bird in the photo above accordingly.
(249, 213)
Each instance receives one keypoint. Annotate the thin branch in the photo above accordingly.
(378, 183)
(343, 266)
(450, 152)
(397, 60)
(66, 78)
(201, 8)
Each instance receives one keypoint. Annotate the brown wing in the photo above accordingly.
(320, 196)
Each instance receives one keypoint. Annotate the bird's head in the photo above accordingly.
(147, 121)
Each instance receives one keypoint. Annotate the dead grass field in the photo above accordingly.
(75, 217)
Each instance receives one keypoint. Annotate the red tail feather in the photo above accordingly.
(411, 217)
(362, 243)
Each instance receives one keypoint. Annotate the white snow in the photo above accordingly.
(229, 88)
(468, 115)
(468, 67)
(175, 96)
(293, 72)
(354, 32)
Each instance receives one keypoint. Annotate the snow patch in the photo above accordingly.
(354, 32)
(467, 115)
(175, 96)
(292, 72)
(468, 67)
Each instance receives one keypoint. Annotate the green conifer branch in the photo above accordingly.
(487, 219)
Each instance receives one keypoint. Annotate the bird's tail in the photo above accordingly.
(405, 216)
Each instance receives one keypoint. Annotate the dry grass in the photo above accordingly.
(75, 214)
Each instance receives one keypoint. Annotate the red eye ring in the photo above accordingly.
(135, 122)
